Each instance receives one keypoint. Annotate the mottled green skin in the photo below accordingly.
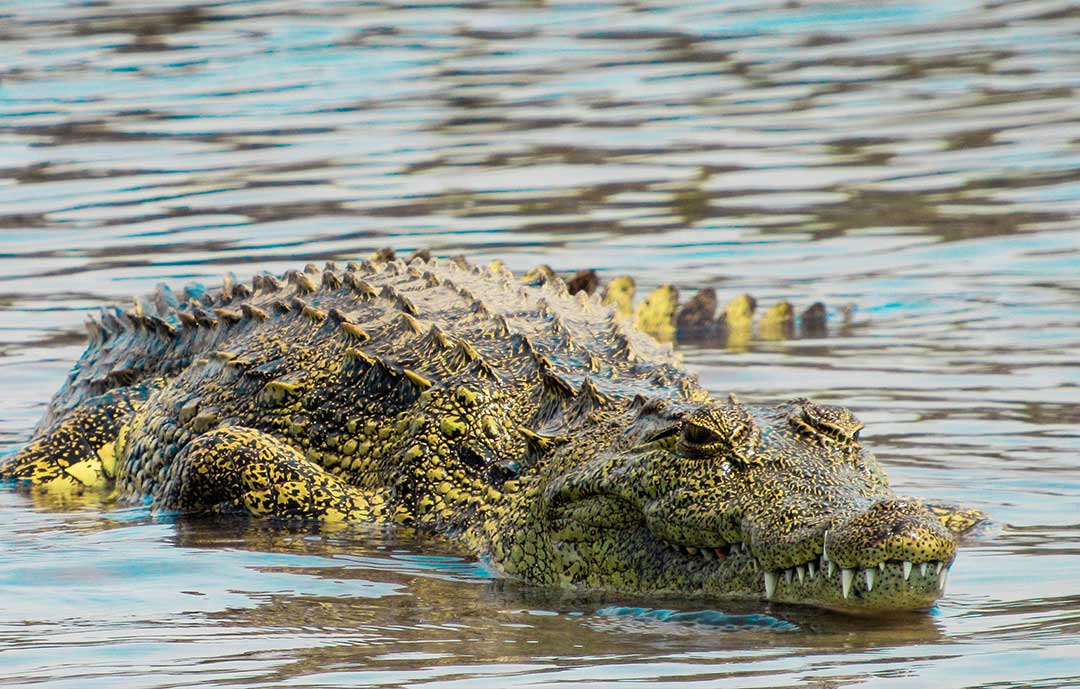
(558, 442)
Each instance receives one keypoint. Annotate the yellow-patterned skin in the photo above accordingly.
(539, 429)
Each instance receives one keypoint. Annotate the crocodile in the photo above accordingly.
(537, 428)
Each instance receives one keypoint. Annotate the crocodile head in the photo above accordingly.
(729, 501)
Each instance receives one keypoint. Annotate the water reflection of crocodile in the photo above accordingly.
(558, 442)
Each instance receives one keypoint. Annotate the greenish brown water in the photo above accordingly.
(920, 160)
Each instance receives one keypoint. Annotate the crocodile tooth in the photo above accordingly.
(923, 566)
(939, 566)
(942, 578)
(824, 546)
(907, 569)
(787, 576)
(708, 553)
(869, 572)
(692, 550)
(801, 571)
(881, 566)
(770, 584)
(831, 568)
(811, 569)
(846, 575)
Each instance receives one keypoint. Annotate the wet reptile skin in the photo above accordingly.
(540, 429)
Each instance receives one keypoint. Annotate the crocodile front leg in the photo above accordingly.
(240, 469)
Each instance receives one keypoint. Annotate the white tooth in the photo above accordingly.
(831, 569)
(942, 578)
(846, 575)
(811, 569)
(691, 549)
(922, 568)
(824, 546)
(787, 577)
(881, 566)
(801, 571)
(939, 566)
(870, 578)
(770, 584)
(907, 569)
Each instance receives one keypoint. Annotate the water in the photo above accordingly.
(920, 160)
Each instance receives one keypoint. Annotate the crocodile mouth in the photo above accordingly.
(889, 556)
(888, 584)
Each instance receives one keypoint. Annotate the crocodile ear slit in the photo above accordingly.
(666, 433)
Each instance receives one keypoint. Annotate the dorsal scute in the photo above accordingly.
(331, 280)
(588, 399)
(301, 282)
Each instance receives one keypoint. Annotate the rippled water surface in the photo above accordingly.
(919, 160)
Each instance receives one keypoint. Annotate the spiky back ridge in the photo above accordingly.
(413, 325)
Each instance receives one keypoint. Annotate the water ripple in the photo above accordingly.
(918, 160)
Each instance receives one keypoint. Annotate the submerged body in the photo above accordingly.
(538, 428)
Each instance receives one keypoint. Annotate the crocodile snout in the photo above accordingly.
(893, 530)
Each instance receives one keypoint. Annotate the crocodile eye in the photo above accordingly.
(826, 424)
(725, 430)
(699, 435)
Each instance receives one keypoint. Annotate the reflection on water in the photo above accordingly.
(920, 160)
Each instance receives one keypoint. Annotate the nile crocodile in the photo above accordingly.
(546, 434)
